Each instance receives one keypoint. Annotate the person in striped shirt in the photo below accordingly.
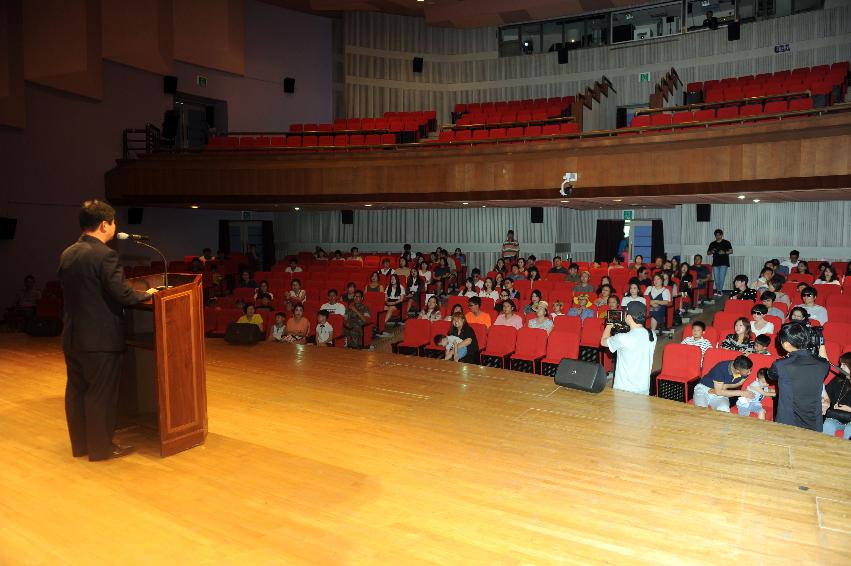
(510, 247)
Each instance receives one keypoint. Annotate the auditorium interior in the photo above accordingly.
(361, 161)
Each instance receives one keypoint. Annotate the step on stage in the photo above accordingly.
(339, 457)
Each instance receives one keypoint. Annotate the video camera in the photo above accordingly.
(617, 318)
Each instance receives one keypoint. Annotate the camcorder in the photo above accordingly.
(617, 318)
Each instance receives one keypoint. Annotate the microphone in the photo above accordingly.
(134, 237)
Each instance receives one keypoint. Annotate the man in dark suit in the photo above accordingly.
(95, 294)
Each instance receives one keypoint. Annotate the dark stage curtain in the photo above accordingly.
(657, 244)
(609, 236)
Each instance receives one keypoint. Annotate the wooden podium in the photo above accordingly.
(164, 379)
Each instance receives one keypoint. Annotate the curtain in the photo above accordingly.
(657, 244)
(609, 236)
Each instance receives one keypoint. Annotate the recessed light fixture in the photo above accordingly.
(297, 208)
(194, 206)
(465, 203)
(483, 206)
(564, 201)
(756, 200)
(741, 197)
(367, 205)
(618, 200)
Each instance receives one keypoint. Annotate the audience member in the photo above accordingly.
(660, 299)
(296, 295)
(510, 247)
(557, 266)
(432, 310)
(633, 350)
(633, 295)
(761, 282)
(776, 287)
(542, 321)
(572, 273)
(534, 298)
(451, 345)
(206, 255)
(638, 263)
(456, 309)
(836, 401)
(582, 307)
(751, 398)
(357, 314)
(603, 293)
(761, 344)
(413, 291)
(468, 289)
(759, 325)
(489, 290)
(508, 315)
(643, 276)
(584, 285)
(386, 270)
(333, 306)
(324, 330)
(697, 339)
(26, 301)
(532, 274)
(800, 380)
(740, 339)
(349, 296)
(394, 295)
(615, 264)
(250, 316)
(803, 268)
(741, 291)
(516, 274)
(355, 255)
(702, 272)
(478, 282)
(374, 285)
(476, 314)
(723, 381)
(403, 271)
(245, 280)
(293, 267)
(278, 329)
(828, 277)
(263, 301)
(768, 299)
(459, 328)
(557, 309)
(298, 326)
(720, 250)
(513, 293)
(443, 275)
(521, 265)
(320, 254)
(710, 21)
(816, 312)
(500, 266)
(195, 266)
(424, 272)
(263, 289)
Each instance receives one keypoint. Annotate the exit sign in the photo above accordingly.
(628, 215)
(644, 78)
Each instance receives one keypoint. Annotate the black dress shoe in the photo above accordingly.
(120, 451)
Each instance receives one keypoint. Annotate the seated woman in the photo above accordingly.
(582, 307)
(508, 315)
(535, 297)
(615, 264)
(605, 280)
(533, 274)
(633, 294)
(349, 297)
(357, 314)
(443, 275)
(828, 277)
(469, 289)
(603, 294)
(740, 340)
(612, 304)
(803, 268)
(424, 272)
(394, 295)
(761, 282)
(660, 300)
(456, 309)
(499, 280)
(542, 321)
(279, 329)
(249, 316)
(521, 265)
(468, 347)
(374, 285)
(759, 325)
(263, 289)
(403, 271)
(432, 310)
(836, 401)
(489, 290)
(413, 290)
(775, 285)
(386, 270)
(296, 295)
(298, 327)
(685, 280)
(500, 266)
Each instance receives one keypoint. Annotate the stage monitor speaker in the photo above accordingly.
(170, 84)
(704, 212)
(585, 376)
(418, 64)
(134, 215)
(733, 30)
(242, 333)
(537, 215)
(7, 228)
(562, 55)
(347, 216)
(289, 85)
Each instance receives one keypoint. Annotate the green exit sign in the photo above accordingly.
(644, 78)
(628, 215)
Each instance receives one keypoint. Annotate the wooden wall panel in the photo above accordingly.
(62, 45)
(139, 34)
(12, 96)
(211, 33)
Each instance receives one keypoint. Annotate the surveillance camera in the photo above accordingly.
(567, 184)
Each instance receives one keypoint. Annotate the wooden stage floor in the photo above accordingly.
(338, 457)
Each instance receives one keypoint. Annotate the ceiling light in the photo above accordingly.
(756, 200)
(371, 205)
(564, 201)
(297, 208)
(194, 206)
(465, 203)
(483, 206)
(618, 200)
(741, 197)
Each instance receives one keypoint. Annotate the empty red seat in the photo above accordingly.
(660, 119)
(680, 364)
(497, 133)
(356, 139)
(341, 140)
(561, 344)
(750, 110)
(714, 95)
(340, 124)
(388, 138)
(776, 106)
(480, 134)
(733, 94)
(694, 87)
(753, 91)
(446, 136)
(417, 334)
(683, 117)
(325, 141)
(372, 139)
(294, 141)
(382, 124)
(309, 141)
(296, 127)
(530, 349)
(524, 116)
(704, 115)
(246, 141)
(640, 121)
(531, 131)
(262, 141)
(277, 141)
(568, 128)
(727, 113)
(325, 127)
(463, 135)
(515, 132)
(501, 341)
(354, 124)
(801, 104)
(549, 129)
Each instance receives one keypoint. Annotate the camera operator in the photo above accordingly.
(800, 378)
(634, 350)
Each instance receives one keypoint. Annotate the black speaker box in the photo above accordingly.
(170, 84)
(537, 215)
(562, 56)
(704, 212)
(584, 376)
(134, 215)
(237, 333)
(733, 30)
(289, 85)
(622, 33)
(169, 125)
(347, 216)
(418, 64)
(7, 228)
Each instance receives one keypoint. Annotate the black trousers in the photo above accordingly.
(91, 401)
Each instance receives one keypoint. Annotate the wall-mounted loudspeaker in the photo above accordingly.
(289, 85)
(7, 228)
(347, 216)
(170, 84)
(733, 31)
(562, 56)
(537, 215)
(134, 215)
(704, 212)
(418, 64)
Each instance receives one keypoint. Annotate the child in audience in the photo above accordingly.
(279, 329)
(334, 306)
(761, 344)
(582, 307)
(740, 339)
(450, 343)
(768, 299)
(741, 291)
(759, 325)
(816, 312)
(697, 339)
(293, 267)
(752, 396)
(324, 330)
(249, 316)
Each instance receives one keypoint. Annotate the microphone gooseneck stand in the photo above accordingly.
(165, 261)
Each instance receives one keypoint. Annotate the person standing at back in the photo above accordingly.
(95, 294)
(720, 250)
(510, 247)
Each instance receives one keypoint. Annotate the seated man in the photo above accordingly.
(816, 312)
(513, 294)
(710, 21)
(557, 266)
(787, 267)
(584, 285)
(357, 314)
(334, 306)
(356, 255)
(476, 314)
(293, 267)
(723, 381)
(263, 302)
(703, 272)
(25, 304)
(572, 273)
(768, 299)
(741, 291)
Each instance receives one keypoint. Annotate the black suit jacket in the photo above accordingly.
(95, 294)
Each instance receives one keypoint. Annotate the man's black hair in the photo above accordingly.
(741, 277)
(742, 363)
(795, 333)
(718, 231)
(809, 291)
(763, 340)
(759, 308)
(93, 212)
(768, 295)
(474, 301)
(795, 253)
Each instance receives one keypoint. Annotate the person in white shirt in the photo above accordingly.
(489, 290)
(634, 351)
(333, 306)
(816, 312)
(279, 329)
(828, 277)
(633, 295)
(293, 267)
(787, 267)
(759, 325)
(324, 330)
(697, 339)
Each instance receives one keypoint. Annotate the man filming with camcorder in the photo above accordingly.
(626, 336)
